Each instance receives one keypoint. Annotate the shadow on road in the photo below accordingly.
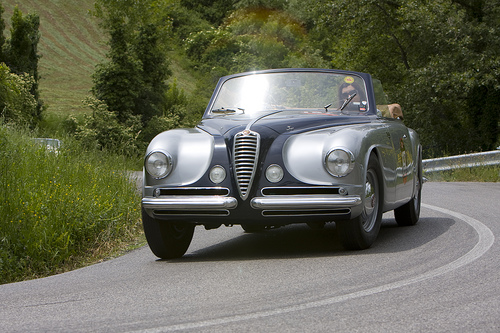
(300, 241)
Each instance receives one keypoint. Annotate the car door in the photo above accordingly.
(404, 161)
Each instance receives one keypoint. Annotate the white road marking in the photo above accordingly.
(486, 240)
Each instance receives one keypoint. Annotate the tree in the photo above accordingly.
(132, 82)
(439, 59)
(118, 81)
(214, 11)
(155, 71)
(21, 53)
(253, 38)
(2, 36)
(17, 104)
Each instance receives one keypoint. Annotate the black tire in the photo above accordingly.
(409, 213)
(166, 239)
(360, 232)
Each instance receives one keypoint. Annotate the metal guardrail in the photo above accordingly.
(462, 161)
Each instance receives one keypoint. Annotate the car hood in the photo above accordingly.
(286, 122)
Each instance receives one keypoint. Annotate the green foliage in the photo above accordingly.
(132, 83)
(251, 39)
(116, 82)
(2, 36)
(214, 11)
(475, 174)
(155, 71)
(184, 21)
(173, 115)
(71, 44)
(17, 104)
(56, 209)
(438, 59)
(174, 96)
(19, 95)
(269, 4)
(22, 51)
(102, 130)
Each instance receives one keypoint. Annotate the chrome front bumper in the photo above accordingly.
(302, 202)
(184, 202)
(276, 202)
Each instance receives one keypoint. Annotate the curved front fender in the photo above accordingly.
(191, 150)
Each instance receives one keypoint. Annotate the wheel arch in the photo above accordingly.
(382, 177)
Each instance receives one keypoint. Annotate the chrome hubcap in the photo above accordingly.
(371, 201)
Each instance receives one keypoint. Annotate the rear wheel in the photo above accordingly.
(360, 232)
(409, 213)
(167, 240)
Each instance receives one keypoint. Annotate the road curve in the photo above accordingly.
(440, 275)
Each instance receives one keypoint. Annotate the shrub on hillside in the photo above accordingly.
(17, 104)
(102, 130)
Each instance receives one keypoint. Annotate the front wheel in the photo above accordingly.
(360, 232)
(167, 240)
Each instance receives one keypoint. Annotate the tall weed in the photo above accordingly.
(59, 207)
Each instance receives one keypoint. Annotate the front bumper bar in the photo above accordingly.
(274, 202)
(184, 202)
(302, 202)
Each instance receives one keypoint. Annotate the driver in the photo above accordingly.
(346, 89)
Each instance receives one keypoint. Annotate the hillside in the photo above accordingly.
(71, 45)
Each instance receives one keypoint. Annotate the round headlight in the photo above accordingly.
(274, 173)
(158, 164)
(339, 162)
(217, 174)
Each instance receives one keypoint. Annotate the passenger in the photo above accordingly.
(391, 111)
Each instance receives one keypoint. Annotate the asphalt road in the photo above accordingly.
(441, 275)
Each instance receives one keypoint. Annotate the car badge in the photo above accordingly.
(246, 132)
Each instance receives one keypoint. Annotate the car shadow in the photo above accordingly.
(300, 241)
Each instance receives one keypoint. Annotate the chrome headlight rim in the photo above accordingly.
(349, 159)
(274, 177)
(168, 164)
(215, 177)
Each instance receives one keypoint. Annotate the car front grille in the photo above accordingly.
(245, 155)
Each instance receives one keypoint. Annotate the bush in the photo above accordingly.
(59, 207)
(17, 104)
(102, 130)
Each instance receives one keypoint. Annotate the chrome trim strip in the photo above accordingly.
(301, 190)
(183, 188)
(190, 202)
(298, 202)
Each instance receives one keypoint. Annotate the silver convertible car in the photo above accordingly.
(285, 146)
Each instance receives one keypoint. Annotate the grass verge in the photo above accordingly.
(60, 211)
(476, 174)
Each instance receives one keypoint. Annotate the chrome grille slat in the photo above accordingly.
(245, 155)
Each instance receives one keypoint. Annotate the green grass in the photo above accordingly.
(61, 210)
(476, 174)
(71, 45)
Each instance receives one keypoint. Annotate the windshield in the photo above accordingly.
(267, 92)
